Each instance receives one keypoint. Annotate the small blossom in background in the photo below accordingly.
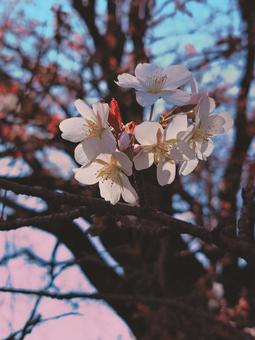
(8, 102)
(92, 130)
(152, 82)
(108, 148)
(111, 171)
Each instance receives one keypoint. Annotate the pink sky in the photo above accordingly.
(96, 319)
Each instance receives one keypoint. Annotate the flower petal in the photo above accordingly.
(128, 81)
(128, 192)
(177, 97)
(212, 105)
(102, 112)
(73, 129)
(177, 124)
(106, 157)
(207, 148)
(186, 150)
(84, 109)
(110, 191)
(92, 147)
(194, 86)
(88, 174)
(186, 135)
(166, 173)
(177, 75)
(146, 70)
(146, 99)
(123, 162)
(80, 155)
(143, 160)
(228, 124)
(214, 125)
(203, 109)
(187, 167)
(198, 146)
(146, 132)
(108, 142)
(176, 154)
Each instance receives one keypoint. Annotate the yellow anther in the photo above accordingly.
(156, 83)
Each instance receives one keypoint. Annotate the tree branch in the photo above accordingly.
(163, 223)
(135, 299)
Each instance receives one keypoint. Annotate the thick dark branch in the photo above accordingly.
(63, 197)
(135, 299)
(138, 25)
(163, 223)
(86, 10)
(232, 176)
(43, 219)
(247, 217)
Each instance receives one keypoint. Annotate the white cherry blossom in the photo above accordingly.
(196, 95)
(110, 171)
(199, 134)
(92, 130)
(159, 146)
(152, 82)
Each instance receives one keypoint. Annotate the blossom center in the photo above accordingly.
(109, 171)
(93, 129)
(161, 151)
(156, 83)
(198, 135)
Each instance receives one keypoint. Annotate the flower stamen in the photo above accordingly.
(92, 128)
(156, 83)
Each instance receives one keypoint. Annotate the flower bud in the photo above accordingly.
(124, 141)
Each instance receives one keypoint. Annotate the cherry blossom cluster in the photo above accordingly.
(109, 150)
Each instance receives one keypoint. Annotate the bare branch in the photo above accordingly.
(135, 299)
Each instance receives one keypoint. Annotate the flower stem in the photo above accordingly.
(151, 113)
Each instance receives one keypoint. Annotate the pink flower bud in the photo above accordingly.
(124, 141)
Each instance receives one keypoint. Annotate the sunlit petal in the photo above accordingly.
(128, 81)
(84, 109)
(146, 132)
(73, 129)
(177, 124)
(128, 192)
(80, 155)
(187, 167)
(102, 111)
(87, 175)
(110, 191)
(207, 148)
